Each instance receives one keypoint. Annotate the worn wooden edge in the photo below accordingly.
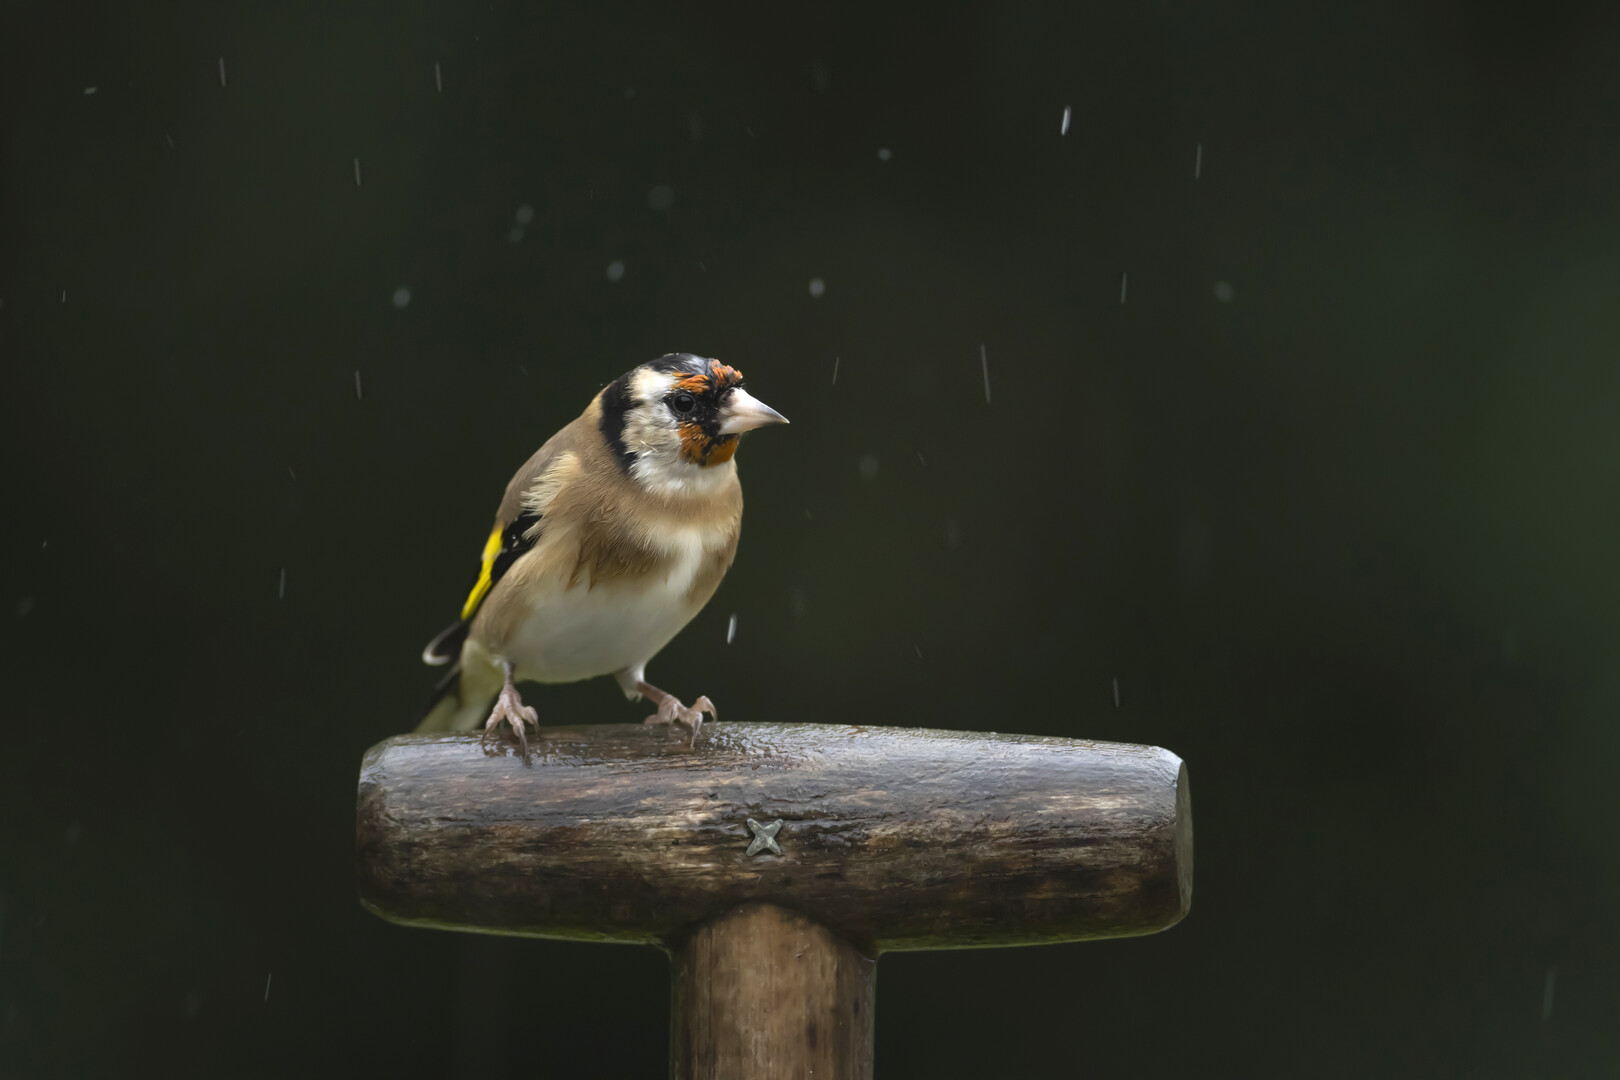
(671, 940)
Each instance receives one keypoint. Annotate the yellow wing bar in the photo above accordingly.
(492, 548)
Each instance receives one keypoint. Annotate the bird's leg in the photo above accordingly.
(670, 709)
(509, 709)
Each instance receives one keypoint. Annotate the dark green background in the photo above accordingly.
(1347, 541)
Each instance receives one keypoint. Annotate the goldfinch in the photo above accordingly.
(608, 541)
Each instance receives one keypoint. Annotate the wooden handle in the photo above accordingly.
(763, 993)
(893, 838)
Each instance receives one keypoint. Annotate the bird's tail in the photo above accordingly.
(462, 699)
(457, 705)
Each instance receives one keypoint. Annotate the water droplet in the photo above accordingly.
(515, 235)
(89, 90)
(24, 606)
(525, 214)
(615, 270)
(817, 287)
(661, 197)
(1223, 291)
(869, 467)
(402, 297)
(884, 154)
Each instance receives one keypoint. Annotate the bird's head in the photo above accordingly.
(673, 421)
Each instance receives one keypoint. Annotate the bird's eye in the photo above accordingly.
(683, 402)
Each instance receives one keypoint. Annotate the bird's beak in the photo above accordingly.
(744, 412)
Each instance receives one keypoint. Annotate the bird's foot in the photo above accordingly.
(671, 711)
(510, 710)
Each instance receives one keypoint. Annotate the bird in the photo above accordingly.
(607, 542)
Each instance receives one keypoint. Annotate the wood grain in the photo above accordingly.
(893, 838)
(763, 993)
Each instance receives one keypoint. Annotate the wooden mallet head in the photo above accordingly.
(889, 838)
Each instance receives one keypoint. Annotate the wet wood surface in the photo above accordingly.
(764, 993)
(892, 838)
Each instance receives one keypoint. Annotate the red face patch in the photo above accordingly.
(700, 448)
(719, 377)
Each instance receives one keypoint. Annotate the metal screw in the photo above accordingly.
(764, 837)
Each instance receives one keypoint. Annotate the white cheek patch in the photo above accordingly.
(648, 429)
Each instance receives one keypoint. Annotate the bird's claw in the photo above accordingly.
(510, 710)
(671, 711)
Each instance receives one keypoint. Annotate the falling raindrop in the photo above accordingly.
(835, 370)
(524, 215)
(281, 589)
(883, 154)
(1547, 989)
(1198, 161)
(402, 297)
(1116, 691)
(731, 629)
(268, 976)
(89, 90)
(1124, 279)
(514, 235)
(1223, 291)
(357, 394)
(953, 533)
(438, 78)
(222, 71)
(615, 270)
(356, 172)
(869, 467)
(1064, 128)
(817, 287)
(801, 603)
(984, 364)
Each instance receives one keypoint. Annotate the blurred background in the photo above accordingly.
(1236, 378)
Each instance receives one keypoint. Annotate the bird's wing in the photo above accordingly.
(518, 524)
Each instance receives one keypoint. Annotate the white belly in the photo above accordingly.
(581, 632)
